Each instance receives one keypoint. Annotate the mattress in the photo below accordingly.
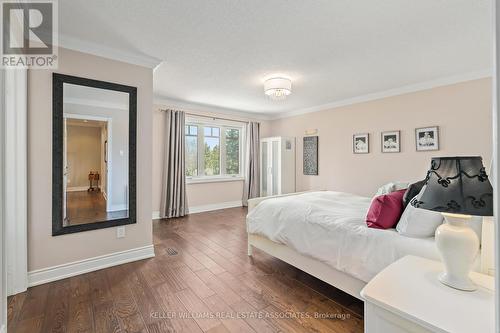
(330, 227)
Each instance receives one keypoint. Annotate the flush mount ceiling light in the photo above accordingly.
(278, 88)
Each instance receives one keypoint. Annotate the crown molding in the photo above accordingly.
(76, 44)
(164, 101)
(388, 93)
(94, 103)
(196, 107)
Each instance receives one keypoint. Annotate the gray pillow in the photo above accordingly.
(412, 191)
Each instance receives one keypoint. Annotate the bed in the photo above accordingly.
(324, 234)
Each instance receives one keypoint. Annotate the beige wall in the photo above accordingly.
(83, 154)
(198, 194)
(43, 249)
(462, 112)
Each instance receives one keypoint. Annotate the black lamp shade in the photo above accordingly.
(457, 185)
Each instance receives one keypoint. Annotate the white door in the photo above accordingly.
(270, 152)
(264, 168)
(275, 167)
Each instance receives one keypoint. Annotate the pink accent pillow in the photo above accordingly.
(385, 210)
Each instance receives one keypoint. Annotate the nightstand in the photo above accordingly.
(407, 297)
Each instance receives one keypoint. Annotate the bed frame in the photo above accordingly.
(332, 276)
(316, 268)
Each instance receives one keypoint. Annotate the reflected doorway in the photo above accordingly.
(87, 171)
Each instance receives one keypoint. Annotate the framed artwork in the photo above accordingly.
(310, 155)
(361, 143)
(391, 142)
(427, 138)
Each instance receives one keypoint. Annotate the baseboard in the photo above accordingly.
(206, 208)
(217, 206)
(63, 271)
(117, 208)
(77, 188)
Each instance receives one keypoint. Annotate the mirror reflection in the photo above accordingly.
(95, 155)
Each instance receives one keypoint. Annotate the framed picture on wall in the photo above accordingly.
(391, 142)
(427, 138)
(361, 143)
(310, 155)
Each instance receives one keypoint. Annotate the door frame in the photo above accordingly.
(109, 172)
(3, 256)
(496, 152)
(16, 179)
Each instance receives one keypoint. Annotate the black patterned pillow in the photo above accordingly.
(412, 191)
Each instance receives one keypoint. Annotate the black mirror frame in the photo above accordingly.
(58, 81)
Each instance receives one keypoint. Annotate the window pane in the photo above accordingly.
(191, 156)
(193, 130)
(212, 156)
(212, 131)
(232, 151)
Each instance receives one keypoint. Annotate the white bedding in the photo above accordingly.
(330, 227)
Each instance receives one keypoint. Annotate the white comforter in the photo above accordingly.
(330, 227)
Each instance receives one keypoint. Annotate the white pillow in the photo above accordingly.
(418, 222)
(422, 223)
(391, 187)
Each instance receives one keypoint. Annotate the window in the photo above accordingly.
(191, 150)
(211, 140)
(232, 151)
(213, 150)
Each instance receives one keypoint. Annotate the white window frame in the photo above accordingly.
(222, 125)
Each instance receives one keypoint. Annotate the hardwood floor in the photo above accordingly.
(89, 207)
(201, 280)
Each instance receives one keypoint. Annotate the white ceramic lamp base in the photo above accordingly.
(458, 246)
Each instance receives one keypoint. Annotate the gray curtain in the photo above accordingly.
(252, 184)
(173, 194)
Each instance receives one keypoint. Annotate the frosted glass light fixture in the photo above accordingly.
(278, 88)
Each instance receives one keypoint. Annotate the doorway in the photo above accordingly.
(87, 170)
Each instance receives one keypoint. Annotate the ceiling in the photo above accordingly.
(76, 94)
(218, 52)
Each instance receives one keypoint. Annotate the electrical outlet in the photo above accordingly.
(120, 232)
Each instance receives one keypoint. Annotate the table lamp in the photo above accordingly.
(458, 187)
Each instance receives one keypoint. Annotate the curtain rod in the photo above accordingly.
(212, 117)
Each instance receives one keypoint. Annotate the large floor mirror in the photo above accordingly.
(94, 142)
